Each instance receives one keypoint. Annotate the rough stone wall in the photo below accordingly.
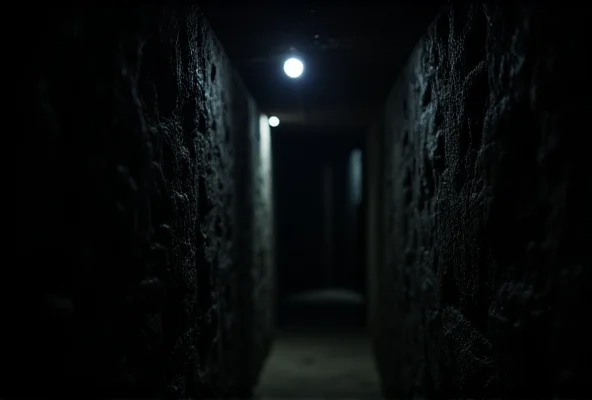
(133, 211)
(485, 276)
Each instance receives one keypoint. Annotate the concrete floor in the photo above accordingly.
(320, 363)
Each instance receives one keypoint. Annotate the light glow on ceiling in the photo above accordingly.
(274, 121)
(293, 67)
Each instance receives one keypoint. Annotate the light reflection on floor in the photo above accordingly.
(320, 363)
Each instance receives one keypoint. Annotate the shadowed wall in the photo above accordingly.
(143, 221)
(480, 206)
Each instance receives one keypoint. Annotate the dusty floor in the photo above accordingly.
(320, 363)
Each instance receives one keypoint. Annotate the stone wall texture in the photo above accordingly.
(484, 278)
(143, 210)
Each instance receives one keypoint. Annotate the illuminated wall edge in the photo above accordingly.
(266, 179)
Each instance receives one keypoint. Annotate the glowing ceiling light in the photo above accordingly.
(293, 67)
(274, 121)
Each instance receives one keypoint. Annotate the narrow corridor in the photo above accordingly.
(303, 199)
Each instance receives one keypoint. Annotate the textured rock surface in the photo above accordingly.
(142, 210)
(485, 278)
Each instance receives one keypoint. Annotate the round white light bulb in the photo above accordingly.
(274, 121)
(293, 67)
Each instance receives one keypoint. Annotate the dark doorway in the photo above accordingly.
(318, 202)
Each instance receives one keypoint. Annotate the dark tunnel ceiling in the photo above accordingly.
(352, 54)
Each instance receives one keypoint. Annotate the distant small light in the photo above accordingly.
(274, 121)
(293, 67)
